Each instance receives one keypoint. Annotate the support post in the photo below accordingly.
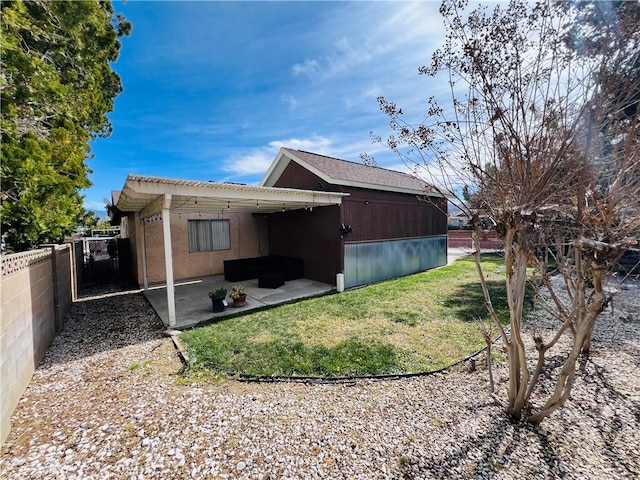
(74, 271)
(145, 277)
(168, 258)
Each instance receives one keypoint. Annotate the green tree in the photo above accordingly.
(91, 221)
(56, 86)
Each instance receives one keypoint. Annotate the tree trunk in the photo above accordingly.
(516, 271)
(584, 326)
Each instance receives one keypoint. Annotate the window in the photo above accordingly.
(208, 235)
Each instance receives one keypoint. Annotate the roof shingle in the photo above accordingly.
(341, 171)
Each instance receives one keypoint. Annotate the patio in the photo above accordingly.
(193, 305)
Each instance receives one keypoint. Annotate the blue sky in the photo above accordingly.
(212, 90)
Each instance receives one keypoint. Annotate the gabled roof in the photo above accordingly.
(342, 172)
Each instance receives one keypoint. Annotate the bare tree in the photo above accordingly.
(543, 137)
(606, 213)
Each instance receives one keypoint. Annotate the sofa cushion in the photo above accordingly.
(248, 268)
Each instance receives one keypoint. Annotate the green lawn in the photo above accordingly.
(412, 324)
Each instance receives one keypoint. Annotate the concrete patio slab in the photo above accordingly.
(193, 304)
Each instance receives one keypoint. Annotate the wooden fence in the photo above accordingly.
(462, 239)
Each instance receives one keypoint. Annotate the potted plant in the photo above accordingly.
(217, 298)
(238, 295)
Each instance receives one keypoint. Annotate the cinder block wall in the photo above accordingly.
(62, 276)
(35, 290)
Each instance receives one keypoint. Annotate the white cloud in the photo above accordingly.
(315, 144)
(257, 161)
(382, 37)
(205, 129)
(352, 147)
(449, 177)
(373, 91)
(401, 167)
(347, 56)
(93, 205)
(290, 100)
(309, 67)
(252, 163)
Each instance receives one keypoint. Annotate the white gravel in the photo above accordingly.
(106, 403)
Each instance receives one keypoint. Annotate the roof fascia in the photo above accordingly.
(275, 169)
(282, 161)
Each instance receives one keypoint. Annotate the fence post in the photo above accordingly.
(72, 270)
(57, 308)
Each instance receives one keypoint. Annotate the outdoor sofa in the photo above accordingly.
(247, 268)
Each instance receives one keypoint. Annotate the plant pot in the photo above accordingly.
(240, 301)
(218, 304)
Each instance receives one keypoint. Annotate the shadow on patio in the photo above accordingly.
(193, 305)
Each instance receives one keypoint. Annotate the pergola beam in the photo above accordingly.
(155, 207)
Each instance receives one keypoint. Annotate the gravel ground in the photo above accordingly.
(107, 402)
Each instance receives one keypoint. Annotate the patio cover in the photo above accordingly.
(152, 196)
(148, 195)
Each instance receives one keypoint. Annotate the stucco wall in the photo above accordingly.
(36, 291)
(248, 239)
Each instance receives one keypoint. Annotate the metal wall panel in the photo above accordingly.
(369, 262)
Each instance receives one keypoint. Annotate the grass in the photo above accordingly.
(412, 324)
(137, 365)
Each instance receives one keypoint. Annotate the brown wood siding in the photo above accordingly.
(377, 215)
(372, 214)
(313, 236)
(387, 215)
(295, 176)
(440, 222)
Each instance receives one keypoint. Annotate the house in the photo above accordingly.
(331, 215)
(391, 223)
